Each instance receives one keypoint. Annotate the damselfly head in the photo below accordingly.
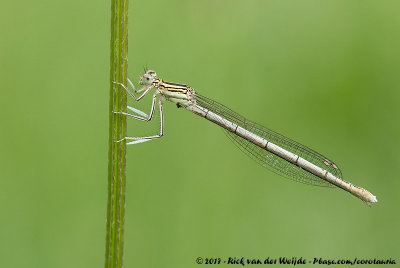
(148, 77)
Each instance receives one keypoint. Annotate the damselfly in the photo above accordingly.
(269, 148)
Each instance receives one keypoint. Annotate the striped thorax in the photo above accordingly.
(180, 94)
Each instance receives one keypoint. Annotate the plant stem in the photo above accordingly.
(117, 150)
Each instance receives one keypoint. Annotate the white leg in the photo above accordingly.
(137, 111)
(153, 105)
(148, 138)
(146, 90)
(133, 87)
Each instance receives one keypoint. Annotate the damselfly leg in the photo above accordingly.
(148, 138)
(146, 90)
(150, 116)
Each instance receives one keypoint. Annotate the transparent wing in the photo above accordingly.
(264, 157)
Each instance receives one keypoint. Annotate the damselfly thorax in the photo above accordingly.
(180, 94)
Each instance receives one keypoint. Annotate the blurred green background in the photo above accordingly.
(325, 73)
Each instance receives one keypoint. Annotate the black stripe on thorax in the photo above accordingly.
(174, 87)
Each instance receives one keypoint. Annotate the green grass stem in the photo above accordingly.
(117, 131)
